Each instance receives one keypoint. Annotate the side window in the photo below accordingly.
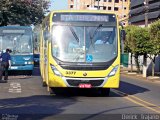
(44, 34)
(46, 31)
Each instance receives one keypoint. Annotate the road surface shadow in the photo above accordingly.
(33, 107)
(35, 72)
(82, 92)
(131, 89)
(41, 107)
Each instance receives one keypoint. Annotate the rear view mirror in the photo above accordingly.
(123, 35)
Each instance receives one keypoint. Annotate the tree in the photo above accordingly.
(154, 42)
(137, 42)
(22, 12)
(141, 38)
(129, 42)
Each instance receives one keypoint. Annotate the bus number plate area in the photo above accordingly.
(85, 85)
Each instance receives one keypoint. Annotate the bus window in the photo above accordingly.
(102, 43)
(72, 42)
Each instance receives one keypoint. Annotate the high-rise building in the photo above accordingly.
(120, 7)
(144, 10)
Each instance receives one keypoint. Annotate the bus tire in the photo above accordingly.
(29, 72)
(44, 84)
(51, 91)
(104, 92)
(58, 91)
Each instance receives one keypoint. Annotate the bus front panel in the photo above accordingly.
(84, 50)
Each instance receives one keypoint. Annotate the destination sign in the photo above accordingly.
(84, 18)
(13, 31)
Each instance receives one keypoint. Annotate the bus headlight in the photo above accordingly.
(30, 63)
(113, 71)
(54, 69)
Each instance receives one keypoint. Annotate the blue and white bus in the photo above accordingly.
(20, 40)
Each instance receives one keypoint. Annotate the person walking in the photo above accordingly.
(5, 64)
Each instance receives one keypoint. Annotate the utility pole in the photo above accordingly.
(146, 13)
(146, 25)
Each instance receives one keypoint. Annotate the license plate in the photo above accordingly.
(14, 67)
(85, 85)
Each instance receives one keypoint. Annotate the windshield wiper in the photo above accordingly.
(95, 32)
(74, 34)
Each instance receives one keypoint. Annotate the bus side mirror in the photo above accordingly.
(123, 35)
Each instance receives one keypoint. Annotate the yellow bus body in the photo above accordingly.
(46, 59)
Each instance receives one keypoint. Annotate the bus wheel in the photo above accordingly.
(29, 72)
(44, 84)
(58, 91)
(51, 91)
(104, 91)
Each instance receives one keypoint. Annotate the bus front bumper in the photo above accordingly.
(24, 67)
(107, 82)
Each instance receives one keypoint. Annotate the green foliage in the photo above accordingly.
(144, 41)
(137, 40)
(155, 38)
(23, 12)
(127, 43)
(141, 38)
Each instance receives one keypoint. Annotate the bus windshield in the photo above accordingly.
(96, 43)
(18, 43)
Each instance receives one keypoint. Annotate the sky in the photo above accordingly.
(58, 4)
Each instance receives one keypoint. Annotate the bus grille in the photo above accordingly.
(75, 83)
(84, 67)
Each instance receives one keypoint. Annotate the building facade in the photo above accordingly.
(144, 8)
(120, 7)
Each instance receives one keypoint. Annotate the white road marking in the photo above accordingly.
(15, 87)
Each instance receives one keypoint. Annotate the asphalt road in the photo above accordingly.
(23, 97)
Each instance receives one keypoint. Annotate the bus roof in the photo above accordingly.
(83, 11)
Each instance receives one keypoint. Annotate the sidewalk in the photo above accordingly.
(126, 72)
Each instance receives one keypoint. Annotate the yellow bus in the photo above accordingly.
(80, 49)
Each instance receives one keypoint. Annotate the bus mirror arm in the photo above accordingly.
(121, 24)
(123, 35)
